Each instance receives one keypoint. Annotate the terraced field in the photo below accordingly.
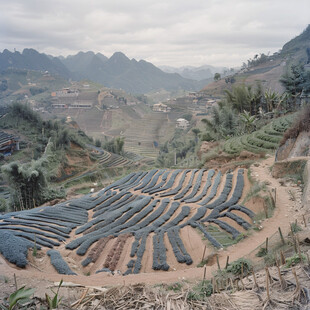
(262, 141)
(145, 134)
(154, 220)
(109, 160)
(112, 160)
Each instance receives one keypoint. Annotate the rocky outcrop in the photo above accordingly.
(295, 147)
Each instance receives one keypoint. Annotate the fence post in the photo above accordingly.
(218, 262)
(275, 195)
(227, 262)
(281, 235)
(203, 255)
(305, 222)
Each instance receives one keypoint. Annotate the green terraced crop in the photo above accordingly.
(261, 141)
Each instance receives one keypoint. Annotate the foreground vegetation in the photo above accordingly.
(32, 174)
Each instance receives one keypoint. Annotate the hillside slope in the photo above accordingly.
(269, 71)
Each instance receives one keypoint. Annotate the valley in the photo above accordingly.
(115, 173)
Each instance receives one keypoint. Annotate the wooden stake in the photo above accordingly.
(299, 251)
(254, 278)
(295, 244)
(282, 258)
(291, 225)
(15, 281)
(243, 287)
(227, 262)
(281, 235)
(282, 281)
(267, 284)
(267, 245)
(232, 284)
(270, 279)
(204, 252)
(305, 222)
(216, 286)
(218, 262)
(275, 195)
(204, 272)
(298, 289)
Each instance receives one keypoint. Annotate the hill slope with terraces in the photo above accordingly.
(145, 135)
(146, 221)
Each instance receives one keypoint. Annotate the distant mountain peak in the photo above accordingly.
(119, 56)
(30, 51)
(30, 59)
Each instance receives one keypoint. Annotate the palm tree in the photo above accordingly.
(239, 97)
(271, 98)
(248, 120)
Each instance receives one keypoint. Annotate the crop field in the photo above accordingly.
(155, 220)
(143, 134)
(265, 140)
(107, 159)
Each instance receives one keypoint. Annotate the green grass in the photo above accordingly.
(84, 190)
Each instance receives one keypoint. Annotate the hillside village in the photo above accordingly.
(200, 193)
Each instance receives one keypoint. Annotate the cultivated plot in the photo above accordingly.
(149, 220)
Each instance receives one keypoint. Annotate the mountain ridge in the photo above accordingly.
(134, 76)
(117, 72)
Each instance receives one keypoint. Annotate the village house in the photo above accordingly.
(81, 104)
(182, 123)
(8, 143)
(59, 106)
(160, 107)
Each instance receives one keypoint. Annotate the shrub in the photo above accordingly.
(295, 259)
(262, 252)
(202, 290)
(240, 266)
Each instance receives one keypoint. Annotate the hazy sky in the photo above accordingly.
(164, 32)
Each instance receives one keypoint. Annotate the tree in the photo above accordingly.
(115, 145)
(217, 76)
(119, 144)
(223, 123)
(97, 143)
(239, 97)
(28, 182)
(271, 98)
(248, 120)
(230, 79)
(196, 132)
(188, 116)
(243, 97)
(294, 80)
